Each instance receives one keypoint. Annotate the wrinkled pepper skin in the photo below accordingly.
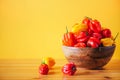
(97, 35)
(95, 26)
(86, 21)
(106, 33)
(93, 42)
(81, 36)
(79, 27)
(43, 69)
(69, 69)
(88, 33)
(49, 61)
(107, 42)
(80, 44)
(68, 39)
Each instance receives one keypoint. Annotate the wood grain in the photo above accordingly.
(27, 69)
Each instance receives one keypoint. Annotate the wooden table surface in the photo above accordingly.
(28, 70)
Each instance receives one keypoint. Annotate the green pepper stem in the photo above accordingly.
(88, 18)
(116, 36)
(66, 29)
(42, 62)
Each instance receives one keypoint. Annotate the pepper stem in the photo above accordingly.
(88, 18)
(66, 29)
(43, 62)
(116, 36)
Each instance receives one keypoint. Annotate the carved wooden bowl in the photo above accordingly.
(89, 58)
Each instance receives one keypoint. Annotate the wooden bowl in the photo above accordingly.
(89, 58)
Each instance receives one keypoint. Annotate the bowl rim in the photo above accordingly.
(88, 47)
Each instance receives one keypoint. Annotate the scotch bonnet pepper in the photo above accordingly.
(43, 69)
(95, 26)
(68, 39)
(106, 33)
(93, 42)
(97, 35)
(89, 33)
(107, 41)
(82, 36)
(69, 68)
(49, 61)
(80, 44)
(79, 27)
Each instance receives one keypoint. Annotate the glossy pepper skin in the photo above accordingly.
(106, 33)
(81, 36)
(97, 35)
(69, 69)
(107, 42)
(68, 38)
(80, 44)
(95, 26)
(43, 69)
(86, 21)
(49, 61)
(79, 27)
(93, 42)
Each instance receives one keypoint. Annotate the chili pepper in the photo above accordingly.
(43, 69)
(107, 41)
(106, 33)
(80, 44)
(49, 61)
(86, 21)
(79, 27)
(68, 39)
(90, 32)
(97, 35)
(95, 26)
(81, 36)
(93, 42)
(69, 69)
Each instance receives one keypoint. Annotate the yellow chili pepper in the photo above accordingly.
(107, 41)
(49, 61)
(79, 27)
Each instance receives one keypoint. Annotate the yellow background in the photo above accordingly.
(32, 29)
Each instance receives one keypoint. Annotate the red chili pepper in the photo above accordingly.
(86, 21)
(93, 42)
(97, 35)
(81, 45)
(81, 36)
(106, 33)
(68, 39)
(95, 26)
(43, 69)
(69, 69)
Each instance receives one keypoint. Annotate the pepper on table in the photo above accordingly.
(69, 69)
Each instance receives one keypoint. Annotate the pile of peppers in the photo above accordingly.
(88, 33)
